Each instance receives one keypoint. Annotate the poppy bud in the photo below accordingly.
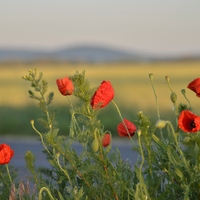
(151, 76)
(95, 145)
(183, 91)
(167, 78)
(160, 123)
(139, 132)
(173, 97)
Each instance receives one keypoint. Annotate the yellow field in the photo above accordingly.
(130, 81)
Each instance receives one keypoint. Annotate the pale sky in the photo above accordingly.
(153, 26)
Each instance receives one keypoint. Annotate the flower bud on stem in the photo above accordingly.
(184, 94)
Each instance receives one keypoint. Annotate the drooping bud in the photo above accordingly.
(160, 124)
(151, 76)
(183, 91)
(32, 122)
(173, 97)
(167, 78)
(95, 145)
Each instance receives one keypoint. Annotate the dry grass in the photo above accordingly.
(131, 81)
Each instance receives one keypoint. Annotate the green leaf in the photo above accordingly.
(60, 196)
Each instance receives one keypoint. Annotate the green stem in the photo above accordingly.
(178, 146)
(64, 171)
(32, 123)
(141, 179)
(156, 99)
(48, 192)
(46, 112)
(8, 171)
(172, 99)
(169, 85)
(120, 115)
(43, 102)
(183, 92)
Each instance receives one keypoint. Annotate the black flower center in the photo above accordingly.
(193, 124)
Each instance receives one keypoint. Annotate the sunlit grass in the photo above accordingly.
(131, 82)
(133, 91)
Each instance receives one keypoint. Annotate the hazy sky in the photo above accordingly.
(155, 26)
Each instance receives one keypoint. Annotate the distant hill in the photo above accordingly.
(82, 53)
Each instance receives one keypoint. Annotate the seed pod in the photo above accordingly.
(95, 145)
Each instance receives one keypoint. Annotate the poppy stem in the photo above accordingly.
(184, 94)
(8, 171)
(141, 178)
(32, 124)
(64, 171)
(154, 91)
(173, 99)
(120, 115)
(47, 191)
(151, 76)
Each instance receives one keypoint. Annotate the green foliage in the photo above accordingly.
(5, 184)
(168, 164)
(40, 86)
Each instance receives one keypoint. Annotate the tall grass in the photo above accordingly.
(133, 91)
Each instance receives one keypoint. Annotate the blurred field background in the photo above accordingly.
(133, 91)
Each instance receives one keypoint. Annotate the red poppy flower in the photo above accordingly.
(188, 121)
(103, 95)
(122, 130)
(195, 86)
(6, 153)
(65, 86)
(106, 140)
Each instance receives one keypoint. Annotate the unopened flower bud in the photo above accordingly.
(57, 155)
(140, 114)
(151, 76)
(173, 97)
(95, 145)
(167, 78)
(139, 132)
(160, 124)
(183, 91)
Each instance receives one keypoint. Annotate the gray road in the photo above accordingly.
(22, 145)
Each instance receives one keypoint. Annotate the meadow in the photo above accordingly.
(133, 91)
